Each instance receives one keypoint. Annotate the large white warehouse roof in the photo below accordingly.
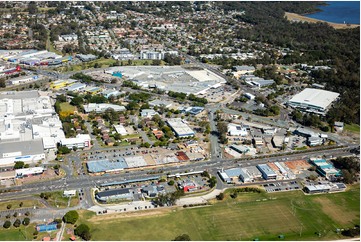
(316, 98)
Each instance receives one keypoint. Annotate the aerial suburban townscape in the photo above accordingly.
(179, 121)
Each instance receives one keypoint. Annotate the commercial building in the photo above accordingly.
(29, 171)
(172, 78)
(180, 128)
(135, 161)
(313, 100)
(102, 107)
(314, 141)
(27, 151)
(260, 83)
(69, 193)
(148, 113)
(80, 141)
(120, 129)
(158, 103)
(111, 195)
(100, 166)
(267, 172)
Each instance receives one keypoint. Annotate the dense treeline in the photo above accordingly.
(313, 44)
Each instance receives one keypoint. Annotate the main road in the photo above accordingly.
(87, 182)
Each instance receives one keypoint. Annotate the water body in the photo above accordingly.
(339, 12)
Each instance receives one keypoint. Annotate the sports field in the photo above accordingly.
(249, 216)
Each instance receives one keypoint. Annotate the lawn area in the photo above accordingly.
(249, 216)
(13, 234)
(66, 107)
(15, 204)
(355, 128)
(57, 200)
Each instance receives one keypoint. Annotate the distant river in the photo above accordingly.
(339, 12)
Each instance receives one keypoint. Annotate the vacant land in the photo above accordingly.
(301, 18)
(249, 216)
(66, 107)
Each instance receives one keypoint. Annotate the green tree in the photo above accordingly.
(17, 223)
(26, 221)
(171, 183)
(9, 206)
(83, 231)
(212, 181)
(19, 165)
(71, 217)
(7, 224)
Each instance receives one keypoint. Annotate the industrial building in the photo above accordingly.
(22, 80)
(267, 172)
(111, 195)
(237, 130)
(102, 107)
(86, 58)
(249, 96)
(180, 128)
(313, 100)
(325, 168)
(80, 141)
(242, 149)
(245, 176)
(278, 141)
(76, 87)
(241, 70)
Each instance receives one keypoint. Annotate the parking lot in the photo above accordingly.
(281, 186)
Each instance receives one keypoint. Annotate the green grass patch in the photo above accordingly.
(17, 234)
(15, 204)
(129, 136)
(249, 216)
(57, 200)
(301, 148)
(355, 128)
(66, 107)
